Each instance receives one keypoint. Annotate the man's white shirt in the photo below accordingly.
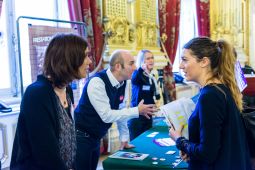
(100, 101)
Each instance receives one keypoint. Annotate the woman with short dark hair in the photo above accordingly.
(45, 135)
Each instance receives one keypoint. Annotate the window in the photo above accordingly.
(188, 19)
(4, 60)
(9, 71)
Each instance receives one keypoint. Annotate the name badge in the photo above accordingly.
(146, 88)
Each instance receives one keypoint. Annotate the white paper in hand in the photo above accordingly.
(178, 112)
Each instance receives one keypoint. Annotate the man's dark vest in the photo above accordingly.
(86, 117)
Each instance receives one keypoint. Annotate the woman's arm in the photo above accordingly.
(211, 124)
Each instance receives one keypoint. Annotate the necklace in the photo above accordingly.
(61, 93)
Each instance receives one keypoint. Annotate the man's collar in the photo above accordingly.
(113, 80)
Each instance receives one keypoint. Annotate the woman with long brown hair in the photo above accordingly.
(216, 133)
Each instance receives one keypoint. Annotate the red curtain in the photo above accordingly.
(169, 19)
(203, 9)
(88, 11)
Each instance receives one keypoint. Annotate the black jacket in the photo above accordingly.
(217, 139)
(36, 143)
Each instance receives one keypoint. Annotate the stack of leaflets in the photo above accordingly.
(129, 155)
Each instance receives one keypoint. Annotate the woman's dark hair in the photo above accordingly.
(205, 47)
(222, 56)
(64, 55)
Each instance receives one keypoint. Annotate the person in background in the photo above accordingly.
(216, 133)
(144, 88)
(99, 107)
(45, 135)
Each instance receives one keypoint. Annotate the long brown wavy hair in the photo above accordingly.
(223, 58)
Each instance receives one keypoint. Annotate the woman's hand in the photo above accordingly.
(184, 156)
(174, 134)
(145, 68)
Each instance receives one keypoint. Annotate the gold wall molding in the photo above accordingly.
(146, 34)
(119, 27)
(132, 25)
(229, 19)
(251, 12)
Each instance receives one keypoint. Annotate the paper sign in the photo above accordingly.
(240, 79)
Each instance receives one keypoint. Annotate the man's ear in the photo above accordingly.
(117, 66)
(205, 62)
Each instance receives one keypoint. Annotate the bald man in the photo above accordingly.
(99, 107)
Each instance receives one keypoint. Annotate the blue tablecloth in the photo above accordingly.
(147, 145)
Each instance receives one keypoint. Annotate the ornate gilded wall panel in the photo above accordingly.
(251, 60)
(146, 34)
(132, 25)
(119, 27)
(116, 22)
(146, 23)
(115, 8)
(229, 19)
(146, 10)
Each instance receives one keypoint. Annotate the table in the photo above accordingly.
(146, 145)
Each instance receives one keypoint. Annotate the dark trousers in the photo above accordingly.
(88, 151)
(139, 125)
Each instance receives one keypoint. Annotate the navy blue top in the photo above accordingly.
(216, 133)
(142, 89)
(86, 117)
(36, 143)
